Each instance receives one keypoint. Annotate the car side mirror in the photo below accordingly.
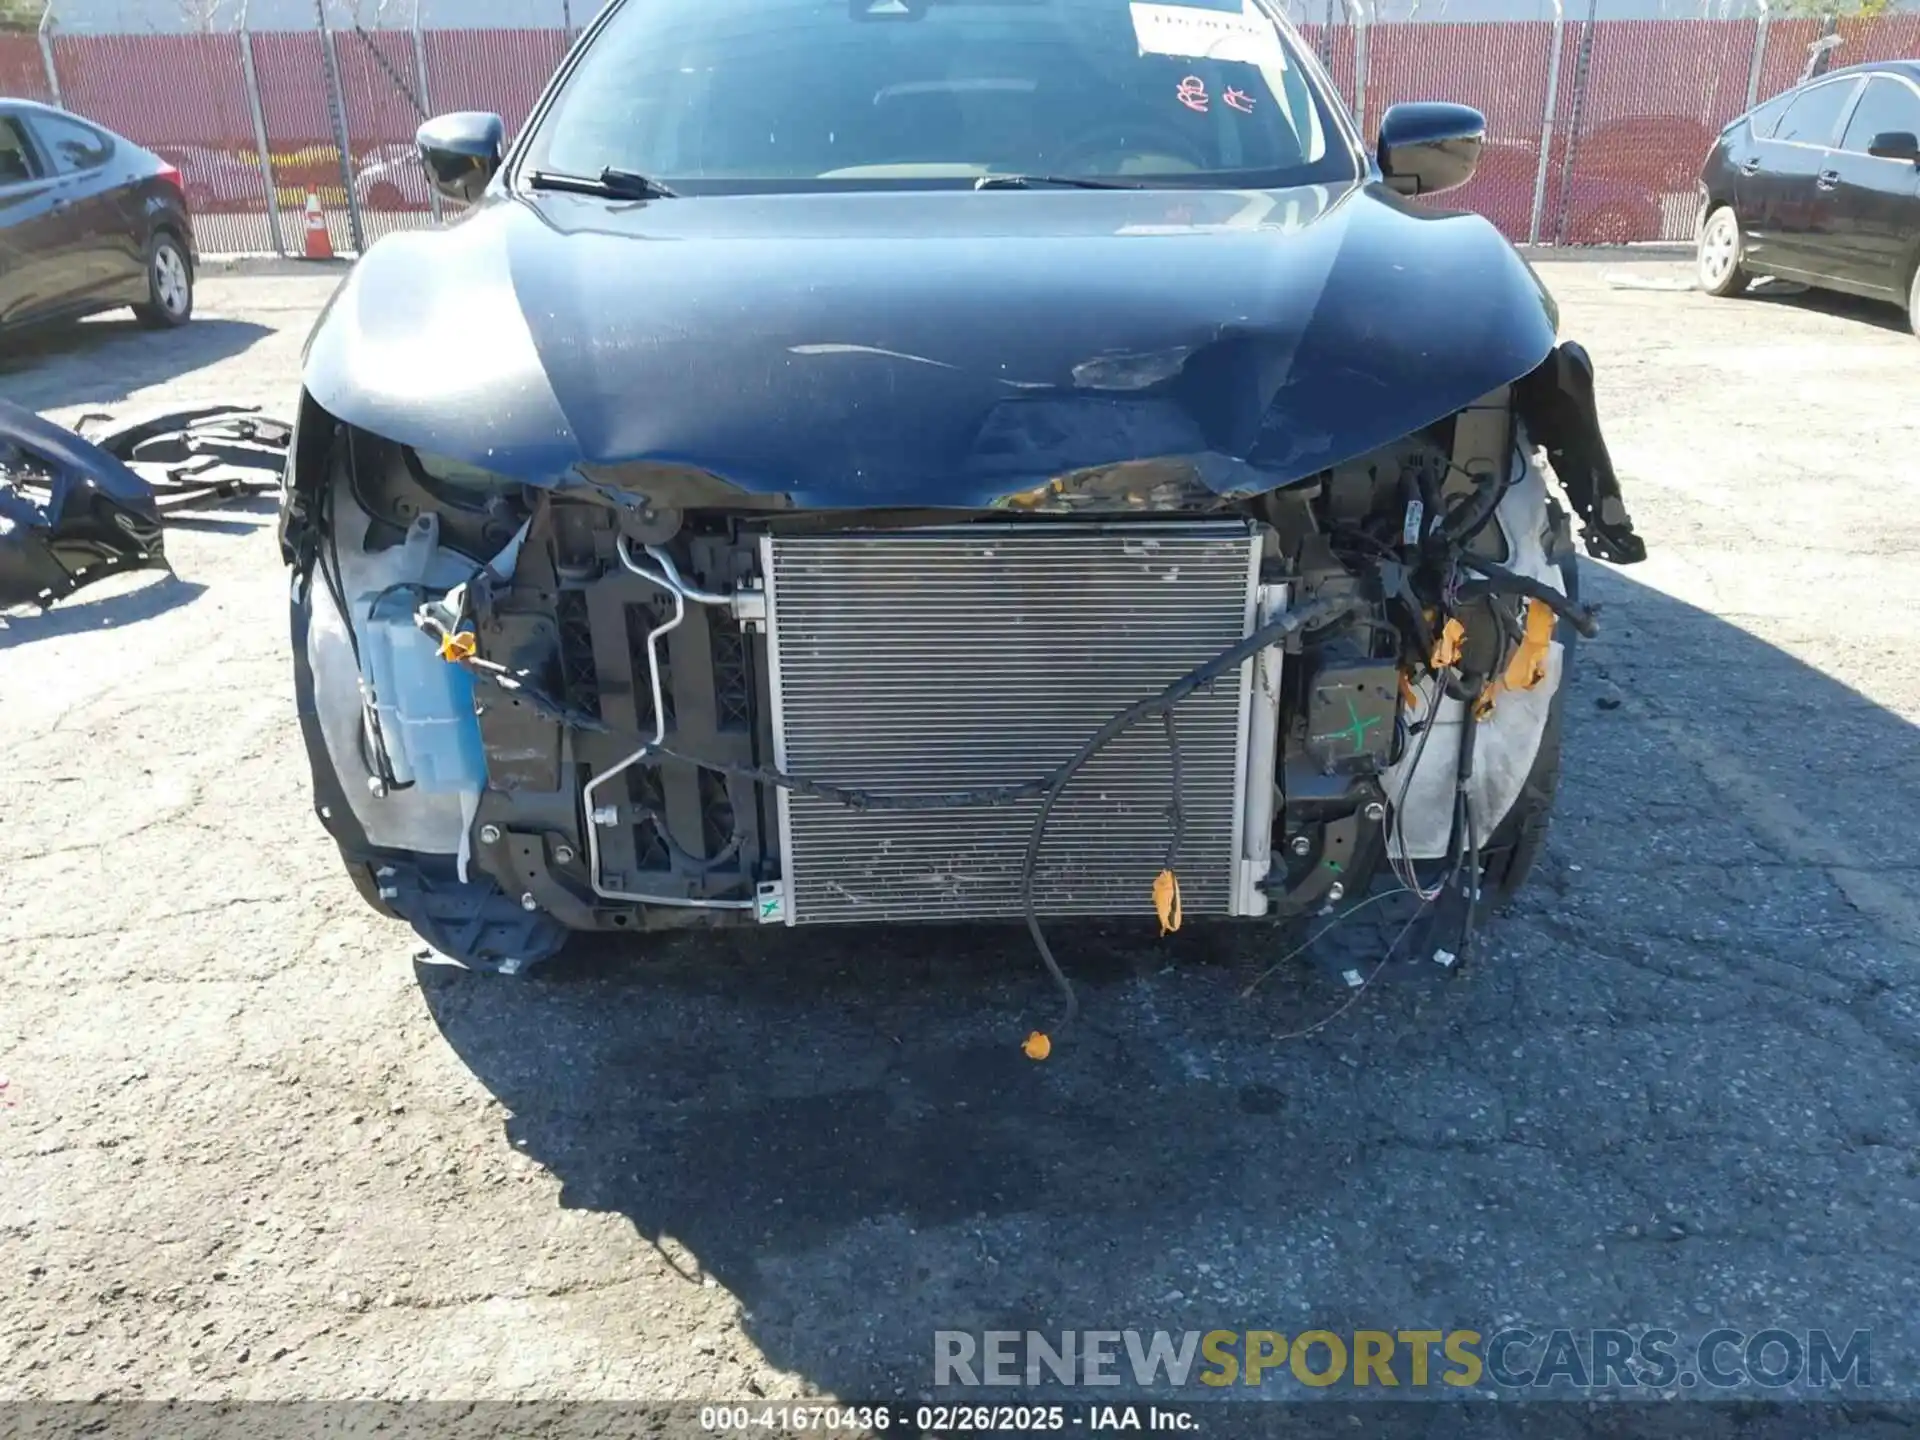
(461, 152)
(1430, 145)
(1896, 145)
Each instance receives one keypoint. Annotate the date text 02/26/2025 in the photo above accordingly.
(943, 1419)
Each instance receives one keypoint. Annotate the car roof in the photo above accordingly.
(17, 104)
(1908, 68)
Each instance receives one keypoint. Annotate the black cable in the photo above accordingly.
(1030, 862)
(1309, 617)
(394, 589)
(335, 581)
(689, 863)
(1475, 511)
(1470, 922)
(1504, 580)
(1047, 788)
(1463, 817)
(1176, 816)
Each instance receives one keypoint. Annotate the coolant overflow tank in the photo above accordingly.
(423, 704)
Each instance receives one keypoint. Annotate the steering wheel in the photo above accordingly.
(1109, 148)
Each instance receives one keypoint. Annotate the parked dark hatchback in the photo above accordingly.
(89, 221)
(1820, 184)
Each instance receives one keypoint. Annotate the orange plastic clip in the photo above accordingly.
(1166, 900)
(1446, 650)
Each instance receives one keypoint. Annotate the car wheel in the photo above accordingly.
(1721, 251)
(169, 284)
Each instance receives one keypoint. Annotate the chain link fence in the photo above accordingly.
(1597, 120)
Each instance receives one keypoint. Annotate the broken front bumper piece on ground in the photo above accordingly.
(76, 508)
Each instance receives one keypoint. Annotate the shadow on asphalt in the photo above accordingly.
(1881, 314)
(842, 1130)
(89, 610)
(238, 515)
(103, 360)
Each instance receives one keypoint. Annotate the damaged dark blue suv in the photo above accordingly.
(936, 460)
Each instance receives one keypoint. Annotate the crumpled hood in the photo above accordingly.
(928, 348)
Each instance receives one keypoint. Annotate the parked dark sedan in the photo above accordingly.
(89, 221)
(1822, 185)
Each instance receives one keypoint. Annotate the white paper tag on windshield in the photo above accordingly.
(1207, 34)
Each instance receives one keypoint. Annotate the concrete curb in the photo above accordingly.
(1653, 251)
(277, 265)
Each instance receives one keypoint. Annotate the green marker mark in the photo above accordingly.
(1356, 730)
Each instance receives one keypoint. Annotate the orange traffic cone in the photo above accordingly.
(319, 243)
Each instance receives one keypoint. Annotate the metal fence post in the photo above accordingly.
(1326, 43)
(252, 77)
(1583, 60)
(46, 56)
(1546, 126)
(426, 99)
(1360, 62)
(1759, 56)
(337, 104)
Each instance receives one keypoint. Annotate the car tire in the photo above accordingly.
(1719, 257)
(169, 284)
(1913, 302)
(1522, 835)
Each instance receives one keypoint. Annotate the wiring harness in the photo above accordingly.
(1433, 560)
(1046, 788)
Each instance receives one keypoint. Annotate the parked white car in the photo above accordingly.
(390, 178)
(216, 181)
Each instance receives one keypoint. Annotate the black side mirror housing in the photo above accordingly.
(1896, 145)
(1430, 145)
(462, 152)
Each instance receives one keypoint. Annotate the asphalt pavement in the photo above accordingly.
(249, 1150)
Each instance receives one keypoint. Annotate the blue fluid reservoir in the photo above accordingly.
(425, 705)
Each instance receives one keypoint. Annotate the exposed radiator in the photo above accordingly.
(954, 659)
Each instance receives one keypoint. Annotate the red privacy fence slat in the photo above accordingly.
(1881, 37)
(1786, 57)
(1500, 68)
(22, 71)
(1657, 95)
(1631, 125)
(499, 70)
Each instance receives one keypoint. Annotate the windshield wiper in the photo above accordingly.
(612, 182)
(1024, 182)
